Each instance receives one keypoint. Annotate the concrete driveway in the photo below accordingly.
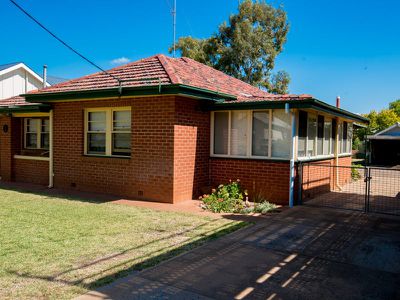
(301, 253)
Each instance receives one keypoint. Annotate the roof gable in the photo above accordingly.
(6, 66)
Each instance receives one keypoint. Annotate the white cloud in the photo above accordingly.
(120, 61)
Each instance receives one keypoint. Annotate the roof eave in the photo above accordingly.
(310, 103)
(153, 90)
(25, 108)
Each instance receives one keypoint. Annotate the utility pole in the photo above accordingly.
(174, 25)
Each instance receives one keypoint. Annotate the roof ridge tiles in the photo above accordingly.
(169, 69)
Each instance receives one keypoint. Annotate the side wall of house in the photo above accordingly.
(191, 148)
(6, 151)
(147, 174)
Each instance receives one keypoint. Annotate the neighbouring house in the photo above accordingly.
(384, 146)
(165, 129)
(17, 78)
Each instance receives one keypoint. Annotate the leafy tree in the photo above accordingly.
(395, 105)
(246, 46)
(379, 120)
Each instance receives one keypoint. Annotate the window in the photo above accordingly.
(108, 131)
(36, 133)
(333, 140)
(302, 140)
(312, 134)
(344, 143)
(327, 137)
(281, 134)
(349, 136)
(260, 136)
(221, 132)
(250, 134)
(239, 133)
(320, 135)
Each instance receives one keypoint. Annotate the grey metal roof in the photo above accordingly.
(6, 66)
(52, 80)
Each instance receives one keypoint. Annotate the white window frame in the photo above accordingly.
(330, 155)
(249, 136)
(109, 129)
(38, 134)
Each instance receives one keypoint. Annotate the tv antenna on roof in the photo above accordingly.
(174, 25)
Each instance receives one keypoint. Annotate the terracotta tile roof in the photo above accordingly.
(164, 70)
(14, 101)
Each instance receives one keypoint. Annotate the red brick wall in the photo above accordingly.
(191, 148)
(5, 149)
(31, 171)
(148, 174)
(269, 178)
(322, 176)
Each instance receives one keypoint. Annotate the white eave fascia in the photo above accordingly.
(26, 68)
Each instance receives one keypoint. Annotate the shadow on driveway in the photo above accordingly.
(301, 253)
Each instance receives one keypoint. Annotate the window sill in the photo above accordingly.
(29, 157)
(107, 156)
(249, 157)
(321, 157)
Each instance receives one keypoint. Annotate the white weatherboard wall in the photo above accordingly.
(18, 80)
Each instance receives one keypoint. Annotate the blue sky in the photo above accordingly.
(348, 48)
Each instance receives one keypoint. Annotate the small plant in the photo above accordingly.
(355, 173)
(264, 207)
(226, 198)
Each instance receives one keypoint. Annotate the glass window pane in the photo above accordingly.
(44, 140)
(260, 135)
(340, 129)
(45, 125)
(349, 137)
(333, 140)
(97, 116)
(312, 133)
(320, 135)
(221, 120)
(302, 138)
(97, 143)
(31, 140)
(97, 121)
(121, 144)
(327, 137)
(281, 134)
(32, 125)
(121, 120)
(239, 133)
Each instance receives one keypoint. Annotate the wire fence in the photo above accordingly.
(368, 189)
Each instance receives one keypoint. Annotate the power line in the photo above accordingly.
(64, 43)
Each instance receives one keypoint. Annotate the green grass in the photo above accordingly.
(58, 248)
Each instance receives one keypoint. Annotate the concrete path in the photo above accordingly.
(302, 253)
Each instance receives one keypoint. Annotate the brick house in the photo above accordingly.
(163, 129)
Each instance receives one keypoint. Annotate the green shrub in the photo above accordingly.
(262, 208)
(226, 198)
(355, 173)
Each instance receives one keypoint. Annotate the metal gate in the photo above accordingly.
(367, 189)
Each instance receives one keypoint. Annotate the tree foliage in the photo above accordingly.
(246, 47)
(380, 120)
(395, 105)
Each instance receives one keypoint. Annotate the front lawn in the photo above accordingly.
(53, 247)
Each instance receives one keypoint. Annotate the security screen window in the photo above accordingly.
(302, 141)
